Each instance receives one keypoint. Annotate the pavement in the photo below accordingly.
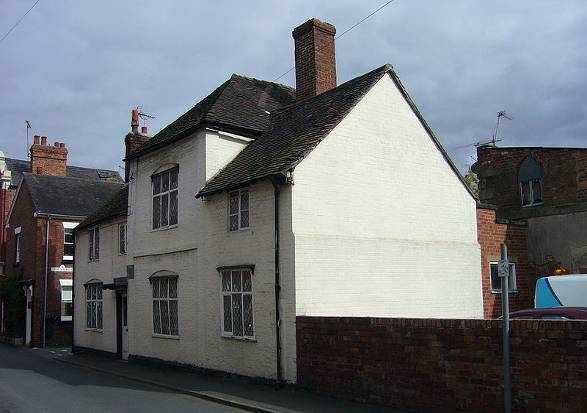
(238, 393)
(33, 381)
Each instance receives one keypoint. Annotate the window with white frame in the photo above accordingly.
(122, 239)
(165, 198)
(94, 244)
(238, 210)
(66, 299)
(94, 306)
(165, 317)
(68, 240)
(530, 182)
(496, 280)
(17, 234)
(237, 303)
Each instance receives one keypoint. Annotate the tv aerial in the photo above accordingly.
(494, 138)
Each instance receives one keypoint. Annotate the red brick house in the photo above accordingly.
(49, 201)
(547, 189)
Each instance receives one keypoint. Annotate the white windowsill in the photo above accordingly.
(230, 337)
(66, 318)
(94, 330)
(167, 337)
(165, 228)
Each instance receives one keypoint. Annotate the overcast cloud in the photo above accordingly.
(75, 69)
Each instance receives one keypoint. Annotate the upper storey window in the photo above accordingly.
(165, 193)
(238, 210)
(530, 182)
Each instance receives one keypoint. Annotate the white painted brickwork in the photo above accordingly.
(383, 226)
(110, 265)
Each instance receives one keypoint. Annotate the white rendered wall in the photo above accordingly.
(110, 265)
(383, 226)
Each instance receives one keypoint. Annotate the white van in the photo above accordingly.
(561, 291)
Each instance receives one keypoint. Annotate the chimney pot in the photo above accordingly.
(61, 145)
(56, 144)
(134, 122)
(36, 139)
(43, 140)
(315, 58)
(144, 130)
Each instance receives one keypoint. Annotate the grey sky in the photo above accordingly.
(75, 69)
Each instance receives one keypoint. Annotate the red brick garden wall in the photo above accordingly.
(491, 234)
(444, 365)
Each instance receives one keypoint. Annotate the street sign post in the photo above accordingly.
(503, 271)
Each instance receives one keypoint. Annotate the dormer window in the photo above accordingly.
(530, 182)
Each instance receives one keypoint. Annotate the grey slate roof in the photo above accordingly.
(296, 130)
(241, 104)
(62, 195)
(18, 166)
(114, 207)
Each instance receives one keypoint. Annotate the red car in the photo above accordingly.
(552, 313)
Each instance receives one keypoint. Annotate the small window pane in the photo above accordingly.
(97, 243)
(93, 313)
(156, 317)
(227, 314)
(173, 208)
(88, 315)
(495, 281)
(156, 184)
(236, 281)
(173, 288)
(165, 182)
(226, 281)
(237, 314)
(234, 222)
(91, 244)
(537, 191)
(173, 327)
(233, 208)
(244, 200)
(99, 291)
(156, 212)
(164, 317)
(244, 219)
(247, 281)
(156, 289)
(173, 179)
(164, 282)
(526, 193)
(164, 210)
(248, 315)
(122, 238)
(99, 315)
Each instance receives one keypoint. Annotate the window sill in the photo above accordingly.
(250, 339)
(532, 205)
(236, 231)
(164, 229)
(94, 330)
(66, 318)
(165, 337)
(499, 291)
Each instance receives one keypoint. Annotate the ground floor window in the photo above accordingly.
(237, 303)
(94, 306)
(165, 318)
(496, 280)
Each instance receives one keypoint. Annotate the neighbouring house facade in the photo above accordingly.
(547, 188)
(50, 200)
(263, 203)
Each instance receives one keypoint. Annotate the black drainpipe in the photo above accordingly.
(277, 284)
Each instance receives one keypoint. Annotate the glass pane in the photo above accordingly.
(164, 317)
(244, 200)
(234, 222)
(156, 289)
(88, 292)
(69, 235)
(173, 208)
(173, 179)
(156, 184)
(93, 313)
(156, 212)
(227, 314)
(99, 291)
(248, 315)
(122, 238)
(512, 278)
(247, 286)
(237, 314)
(165, 182)
(68, 250)
(99, 315)
(537, 191)
(244, 219)
(495, 281)
(173, 287)
(92, 291)
(173, 328)
(225, 280)
(88, 315)
(236, 281)
(233, 203)
(91, 246)
(164, 210)
(163, 282)
(525, 193)
(156, 317)
(97, 244)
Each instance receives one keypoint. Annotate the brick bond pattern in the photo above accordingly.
(444, 365)
(491, 234)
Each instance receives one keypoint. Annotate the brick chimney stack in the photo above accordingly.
(133, 140)
(48, 159)
(315, 58)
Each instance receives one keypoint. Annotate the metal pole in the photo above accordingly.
(505, 311)
(46, 276)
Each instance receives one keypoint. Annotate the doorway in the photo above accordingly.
(122, 325)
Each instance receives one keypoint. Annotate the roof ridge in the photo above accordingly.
(68, 166)
(263, 81)
(24, 174)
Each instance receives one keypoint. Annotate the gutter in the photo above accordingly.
(277, 285)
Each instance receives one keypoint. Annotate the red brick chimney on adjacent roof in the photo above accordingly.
(48, 159)
(315, 58)
(133, 140)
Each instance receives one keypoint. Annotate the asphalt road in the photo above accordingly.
(31, 381)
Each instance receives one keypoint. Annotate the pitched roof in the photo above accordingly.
(62, 195)
(114, 207)
(18, 166)
(296, 130)
(241, 104)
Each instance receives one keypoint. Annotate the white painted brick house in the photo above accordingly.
(339, 203)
